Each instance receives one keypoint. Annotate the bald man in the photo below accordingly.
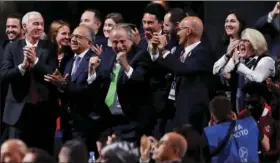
(171, 148)
(192, 69)
(12, 151)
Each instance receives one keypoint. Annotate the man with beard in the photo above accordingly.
(31, 104)
(14, 31)
(162, 81)
(152, 22)
(192, 70)
(170, 25)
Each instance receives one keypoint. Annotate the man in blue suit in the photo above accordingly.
(84, 120)
(192, 70)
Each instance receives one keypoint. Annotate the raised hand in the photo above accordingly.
(94, 62)
(135, 36)
(97, 49)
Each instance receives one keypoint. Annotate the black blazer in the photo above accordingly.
(135, 94)
(18, 91)
(271, 33)
(193, 81)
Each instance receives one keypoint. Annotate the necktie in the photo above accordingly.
(109, 100)
(30, 65)
(33, 93)
(76, 64)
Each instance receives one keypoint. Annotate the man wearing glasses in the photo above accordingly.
(78, 92)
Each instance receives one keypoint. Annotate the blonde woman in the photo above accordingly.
(251, 57)
(251, 62)
(59, 34)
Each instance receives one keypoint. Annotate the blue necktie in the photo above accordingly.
(75, 65)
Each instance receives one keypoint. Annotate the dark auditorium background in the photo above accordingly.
(212, 13)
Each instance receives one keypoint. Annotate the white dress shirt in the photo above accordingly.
(264, 69)
(20, 67)
(81, 56)
(219, 64)
(188, 49)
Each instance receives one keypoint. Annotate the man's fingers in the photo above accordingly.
(136, 30)
(66, 76)
(49, 78)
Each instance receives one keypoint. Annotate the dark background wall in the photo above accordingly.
(212, 13)
(215, 13)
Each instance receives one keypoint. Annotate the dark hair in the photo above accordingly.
(155, 9)
(242, 26)
(78, 152)
(120, 152)
(15, 16)
(176, 15)
(41, 156)
(194, 141)
(220, 106)
(97, 13)
(116, 17)
(259, 89)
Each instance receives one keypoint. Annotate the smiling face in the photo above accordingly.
(35, 26)
(13, 28)
(108, 26)
(232, 26)
(63, 36)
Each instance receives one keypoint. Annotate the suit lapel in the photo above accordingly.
(68, 68)
(21, 56)
(82, 67)
(41, 50)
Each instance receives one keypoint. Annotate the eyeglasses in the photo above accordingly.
(78, 37)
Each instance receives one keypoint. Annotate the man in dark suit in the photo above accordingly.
(269, 25)
(14, 31)
(192, 73)
(92, 19)
(31, 103)
(85, 120)
(152, 22)
(128, 95)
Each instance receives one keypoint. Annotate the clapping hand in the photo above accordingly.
(56, 78)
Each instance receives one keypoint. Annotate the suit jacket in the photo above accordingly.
(77, 91)
(134, 93)
(193, 81)
(271, 33)
(19, 86)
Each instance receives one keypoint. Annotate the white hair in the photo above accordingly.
(25, 18)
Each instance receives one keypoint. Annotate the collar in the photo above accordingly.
(189, 48)
(82, 54)
(109, 43)
(29, 44)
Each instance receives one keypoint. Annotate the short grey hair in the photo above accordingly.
(91, 34)
(257, 40)
(25, 18)
(126, 27)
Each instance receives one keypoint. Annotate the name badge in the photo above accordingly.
(172, 91)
